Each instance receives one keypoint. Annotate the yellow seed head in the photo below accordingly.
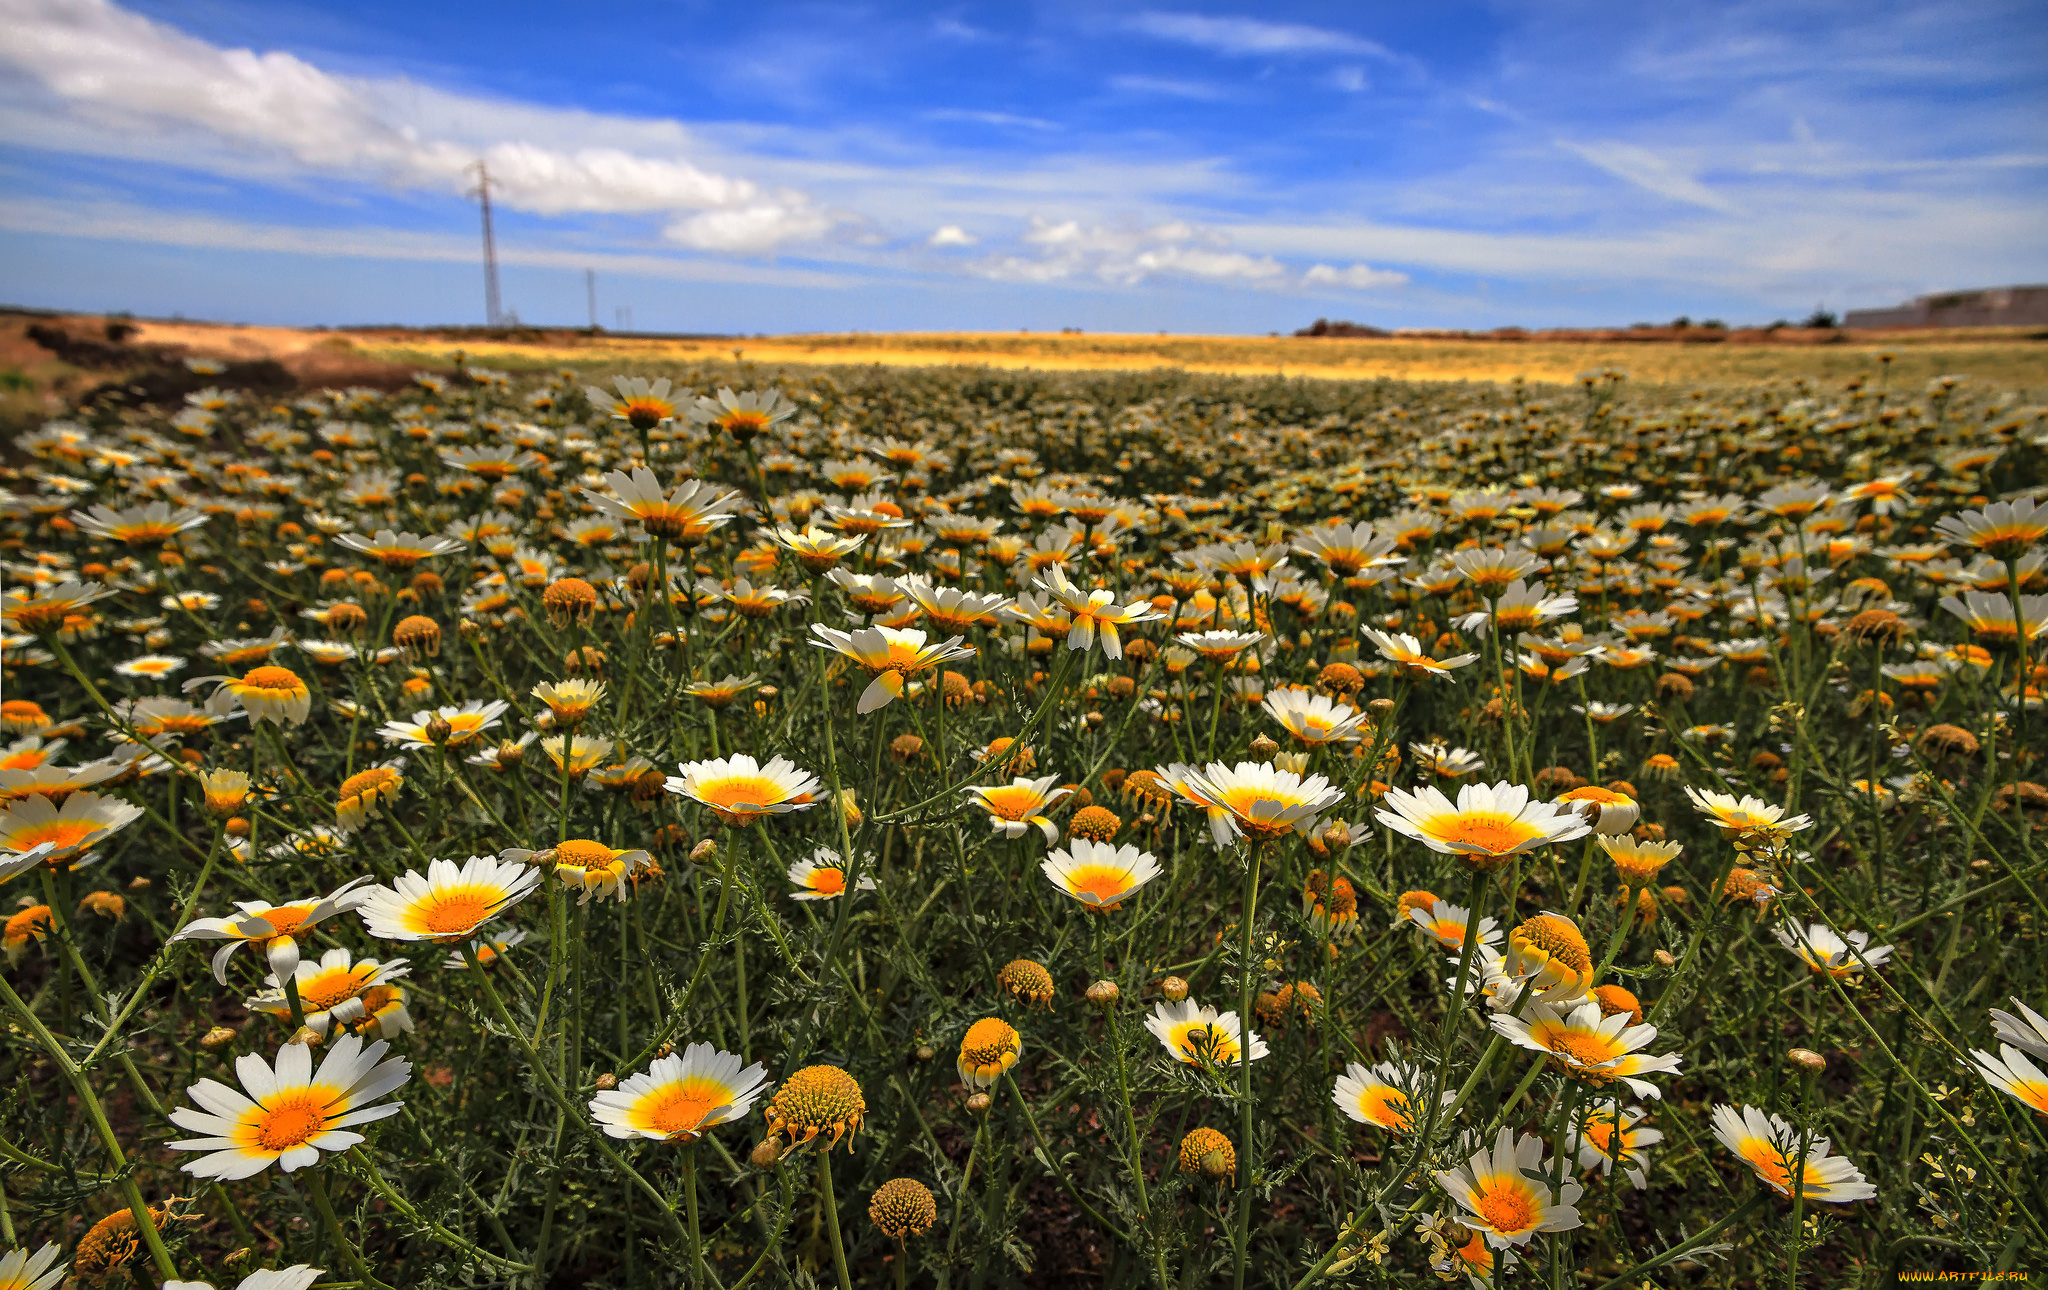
(903, 1207)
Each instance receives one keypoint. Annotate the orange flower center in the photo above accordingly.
(323, 992)
(1495, 834)
(681, 1107)
(280, 679)
(1012, 803)
(1101, 883)
(740, 794)
(828, 882)
(290, 1122)
(1581, 1047)
(64, 833)
(1507, 1208)
(1388, 1106)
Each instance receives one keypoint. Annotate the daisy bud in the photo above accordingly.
(925, 1052)
(1103, 994)
(766, 1155)
(138, 883)
(1807, 1059)
(704, 852)
(979, 1104)
(1174, 989)
(1665, 958)
(225, 791)
(848, 808)
(438, 730)
(1264, 747)
(218, 1037)
(607, 1082)
(306, 1035)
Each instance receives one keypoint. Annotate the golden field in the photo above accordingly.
(2008, 357)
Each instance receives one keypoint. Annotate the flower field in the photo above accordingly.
(976, 829)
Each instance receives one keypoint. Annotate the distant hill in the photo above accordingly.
(1989, 307)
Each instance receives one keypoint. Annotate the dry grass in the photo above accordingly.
(2008, 357)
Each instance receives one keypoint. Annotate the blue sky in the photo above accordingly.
(1180, 167)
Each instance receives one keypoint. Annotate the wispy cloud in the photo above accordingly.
(1003, 119)
(1246, 37)
(1650, 172)
(1168, 87)
(126, 222)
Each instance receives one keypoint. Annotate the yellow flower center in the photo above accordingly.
(1557, 938)
(455, 910)
(279, 679)
(583, 853)
(1201, 1042)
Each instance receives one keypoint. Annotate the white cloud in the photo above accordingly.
(1070, 249)
(1650, 172)
(121, 222)
(1361, 276)
(952, 235)
(1350, 79)
(1252, 36)
(750, 230)
(121, 73)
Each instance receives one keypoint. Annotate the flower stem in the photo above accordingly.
(690, 1192)
(350, 1256)
(832, 1219)
(1247, 1120)
(144, 1225)
(554, 1090)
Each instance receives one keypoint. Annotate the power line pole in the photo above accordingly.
(482, 192)
(590, 290)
